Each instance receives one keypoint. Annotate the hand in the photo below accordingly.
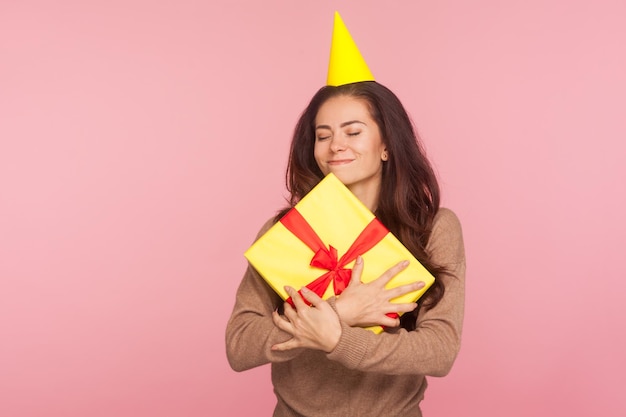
(366, 305)
(315, 327)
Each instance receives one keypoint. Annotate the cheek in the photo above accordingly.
(319, 150)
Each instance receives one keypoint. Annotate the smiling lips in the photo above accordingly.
(340, 161)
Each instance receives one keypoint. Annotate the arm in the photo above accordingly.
(432, 348)
(250, 332)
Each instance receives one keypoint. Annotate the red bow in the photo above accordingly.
(325, 258)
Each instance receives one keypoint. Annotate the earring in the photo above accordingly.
(384, 156)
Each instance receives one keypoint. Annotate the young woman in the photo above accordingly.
(324, 363)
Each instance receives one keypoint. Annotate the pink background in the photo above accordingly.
(143, 143)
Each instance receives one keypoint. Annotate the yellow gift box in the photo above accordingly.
(316, 242)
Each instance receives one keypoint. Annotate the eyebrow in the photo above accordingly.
(344, 124)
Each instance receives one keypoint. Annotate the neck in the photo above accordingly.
(367, 195)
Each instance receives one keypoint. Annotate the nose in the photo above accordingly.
(338, 143)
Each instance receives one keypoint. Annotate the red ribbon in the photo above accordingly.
(325, 258)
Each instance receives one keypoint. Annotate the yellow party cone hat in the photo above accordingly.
(346, 63)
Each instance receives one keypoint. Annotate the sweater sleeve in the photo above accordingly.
(250, 332)
(433, 346)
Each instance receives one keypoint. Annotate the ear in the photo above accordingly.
(384, 156)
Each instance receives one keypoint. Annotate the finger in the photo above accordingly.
(281, 323)
(402, 307)
(405, 289)
(311, 297)
(357, 271)
(296, 298)
(281, 317)
(288, 345)
(290, 312)
(391, 272)
(389, 322)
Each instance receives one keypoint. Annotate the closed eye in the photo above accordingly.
(354, 134)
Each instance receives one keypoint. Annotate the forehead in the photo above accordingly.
(343, 108)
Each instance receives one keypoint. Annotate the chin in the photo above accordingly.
(346, 179)
(340, 175)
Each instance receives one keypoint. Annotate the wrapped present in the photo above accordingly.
(316, 243)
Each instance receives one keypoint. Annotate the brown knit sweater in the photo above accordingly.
(366, 374)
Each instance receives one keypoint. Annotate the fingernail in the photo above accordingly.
(288, 288)
(405, 264)
(359, 260)
(420, 285)
(304, 289)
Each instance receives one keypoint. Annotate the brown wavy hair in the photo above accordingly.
(409, 192)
